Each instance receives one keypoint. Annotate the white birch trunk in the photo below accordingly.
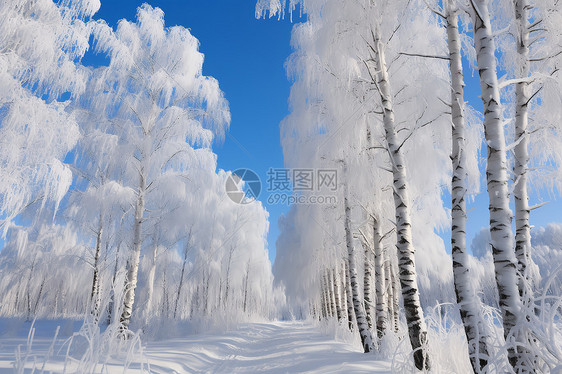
(362, 326)
(208, 285)
(165, 297)
(389, 293)
(331, 294)
(28, 288)
(417, 329)
(367, 279)
(520, 194)
(381, 307)
(323, 299)
(327, 293)
(95, 295)
(468, 301)
(227, 286)
(337, 295)
(395, 298)
(331, 300)
(182, 275)
(522, 227)
(348, 297)
(150, 281)
(503, 252)
(133, 263)
(111, 305)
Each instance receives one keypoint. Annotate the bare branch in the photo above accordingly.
(538, 205)
(424, 56)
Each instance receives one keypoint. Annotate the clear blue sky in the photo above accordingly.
(247, 57)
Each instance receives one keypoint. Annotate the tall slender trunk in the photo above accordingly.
(246, 285)
(133, 263)
(381, 308)
(469, 303)
(185, 252)
(362, 326)
(57, 303)
(520, 194)
(329, 294)
(94, 295)
(150, 281)
(505, 262)
(417, 329)
(41, 288)
(348, 297)
(389, 292)
(323, 299)
(367, 279)
(28, 288)
(328, 297)
(331, 303)
(337, 295)
(165, 297)
(194, 307)
(522, 211)
(18, 290)
(227, 286)
(395, 298)
(112, 294)
(207, 281)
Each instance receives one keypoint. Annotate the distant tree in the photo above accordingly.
(358, 306)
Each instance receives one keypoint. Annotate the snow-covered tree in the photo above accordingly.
(164, 112)
(505, 261)
(461, 154)
(41, 44)
(358, 305)
(337, 90)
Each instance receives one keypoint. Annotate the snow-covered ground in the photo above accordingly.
(272, 347)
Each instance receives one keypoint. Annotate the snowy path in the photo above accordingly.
(277, 347)
(274, 347)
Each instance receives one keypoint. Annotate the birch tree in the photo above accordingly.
(531, 56)
(155, 91)
(145, 173)
(521, 154)
(380, 286)
(98, 212)
(505, 262)
(469, 303)
(348, 296)
(367, 280)
(406, 262)
(339, 82)
(362, 325)
(337, 294)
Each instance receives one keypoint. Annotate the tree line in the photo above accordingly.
(111, 202)
(379, 93)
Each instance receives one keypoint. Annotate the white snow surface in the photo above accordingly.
(268, 347)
